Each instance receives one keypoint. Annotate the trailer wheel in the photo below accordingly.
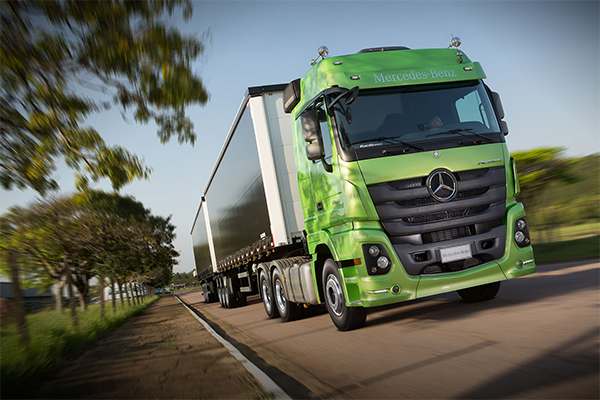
(287, 310)
(344, 318)
(228, 295)
(267, 296)
(241, 299)
(221, 299)
(480, 293)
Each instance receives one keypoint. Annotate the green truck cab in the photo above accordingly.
(406, 183)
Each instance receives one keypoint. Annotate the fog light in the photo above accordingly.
(373, 251)
(519, 237)
(383, 262)
(519, 264)
(521, 224)
(395, 289)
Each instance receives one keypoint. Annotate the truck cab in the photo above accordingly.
(405, 179)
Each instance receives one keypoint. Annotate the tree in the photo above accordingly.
(33, 233)
(124, 51)
(92, 233)
(538, 170)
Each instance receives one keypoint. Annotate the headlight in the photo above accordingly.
(377, 259)
(519, 237)
(373, 251)
(383, 262)
(522, 232)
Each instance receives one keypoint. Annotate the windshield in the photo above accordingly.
(416, 118)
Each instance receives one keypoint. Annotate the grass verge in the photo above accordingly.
(53, 339)
(586, 248)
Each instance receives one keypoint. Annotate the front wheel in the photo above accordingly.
(480, 293)
(344, 318)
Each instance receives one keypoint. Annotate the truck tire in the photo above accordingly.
(228, 294)
(287, 310)
(241, 299)
(221, 298)
(267, 295)
(480, 293)
(208, 296)
(343, 317)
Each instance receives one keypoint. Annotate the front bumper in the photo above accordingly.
(398, 285)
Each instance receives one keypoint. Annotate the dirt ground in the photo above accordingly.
(163, 353)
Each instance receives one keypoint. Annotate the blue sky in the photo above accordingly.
(541, 56)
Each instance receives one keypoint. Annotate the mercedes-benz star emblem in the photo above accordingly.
(442, 185)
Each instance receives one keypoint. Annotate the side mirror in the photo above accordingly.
(504, 127)
(311, 130)
(315, 151)
(498, 105)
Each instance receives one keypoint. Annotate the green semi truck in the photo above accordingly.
(378, 177)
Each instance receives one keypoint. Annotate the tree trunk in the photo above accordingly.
(72, 306)
(112, 288)
(81, 297)
(120, 283)
(58, 298)
(127, 291)
(18, 303)
(136, 293)
(102, 310)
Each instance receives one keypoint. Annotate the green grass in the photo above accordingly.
(565, 233)
(53, 339)
(585, 248)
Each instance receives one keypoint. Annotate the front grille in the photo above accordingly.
(448, 234)
(444, 215)
(464, 194)
(415, 221)
(405, 207)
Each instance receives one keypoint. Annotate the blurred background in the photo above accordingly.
(541, 56)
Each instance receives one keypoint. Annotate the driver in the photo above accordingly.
(436, 122)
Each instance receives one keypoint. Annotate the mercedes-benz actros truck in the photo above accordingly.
(377, 178)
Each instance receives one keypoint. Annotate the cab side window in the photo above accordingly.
(325, 133)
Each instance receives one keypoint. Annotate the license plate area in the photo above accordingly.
(456, 253)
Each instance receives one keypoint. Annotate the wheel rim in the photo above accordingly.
(280, 295)
(335, 295)
(266, 295)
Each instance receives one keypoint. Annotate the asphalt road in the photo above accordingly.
(538, 339)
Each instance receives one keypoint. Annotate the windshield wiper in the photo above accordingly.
(391, 140)
(460, 131)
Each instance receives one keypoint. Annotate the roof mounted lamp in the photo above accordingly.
(455, 42)
(323, 52)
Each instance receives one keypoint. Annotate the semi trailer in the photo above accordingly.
(376, 178)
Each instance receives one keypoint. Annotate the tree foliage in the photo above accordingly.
(52, 51)
(538, 169)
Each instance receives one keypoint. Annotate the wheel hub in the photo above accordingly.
(335, 295)
(280, 295)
